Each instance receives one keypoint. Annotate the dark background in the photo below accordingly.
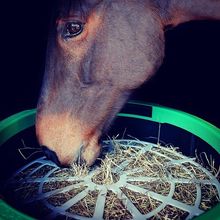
(188, 79)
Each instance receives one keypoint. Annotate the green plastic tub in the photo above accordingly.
(146, 115)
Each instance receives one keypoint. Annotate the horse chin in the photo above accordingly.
(90, 154)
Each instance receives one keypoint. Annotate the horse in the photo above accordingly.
(98, 53)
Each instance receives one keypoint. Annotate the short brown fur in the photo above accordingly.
(88, 78)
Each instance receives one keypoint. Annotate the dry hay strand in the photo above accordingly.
(24, 173)
(185, 192)
(79, 170)
(142, 202)
(158, 163)
(170, 213)
(114, 208)
(209, 197)
(104, 175)
(26, 191)
(178, 171)
(168, 151)
(86, 206)
(152, 163)
(52, 185)
(198, 173)
(158, 186)
(149, 160)
(208, 163)
(60, 198)
(41, 172)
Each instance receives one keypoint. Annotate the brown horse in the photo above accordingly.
(99, 51)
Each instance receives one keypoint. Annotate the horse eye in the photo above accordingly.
(72, 29)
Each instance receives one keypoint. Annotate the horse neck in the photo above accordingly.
(180, 11)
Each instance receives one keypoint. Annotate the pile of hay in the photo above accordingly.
(135, 180)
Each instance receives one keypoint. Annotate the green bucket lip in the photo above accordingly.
(197, 126)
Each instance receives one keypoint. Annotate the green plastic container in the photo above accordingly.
(136, 110)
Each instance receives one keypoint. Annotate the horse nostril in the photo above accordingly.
(51, 155)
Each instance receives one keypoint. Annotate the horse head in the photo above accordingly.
(98, 52)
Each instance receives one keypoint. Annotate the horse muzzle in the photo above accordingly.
(65, 141)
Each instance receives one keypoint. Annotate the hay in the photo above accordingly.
(24, 173)
(104, 175)
(79, 170)
(26, 191)
(60, 198)
(143, 203)
(41, 172)
(86, 206)
(52, 185)
(209, 197)
(169, 213)
(158, 163)
(185, 193)
(158, 186)
(114, 208)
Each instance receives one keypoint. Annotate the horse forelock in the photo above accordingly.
(67, 8)
(72, 8)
